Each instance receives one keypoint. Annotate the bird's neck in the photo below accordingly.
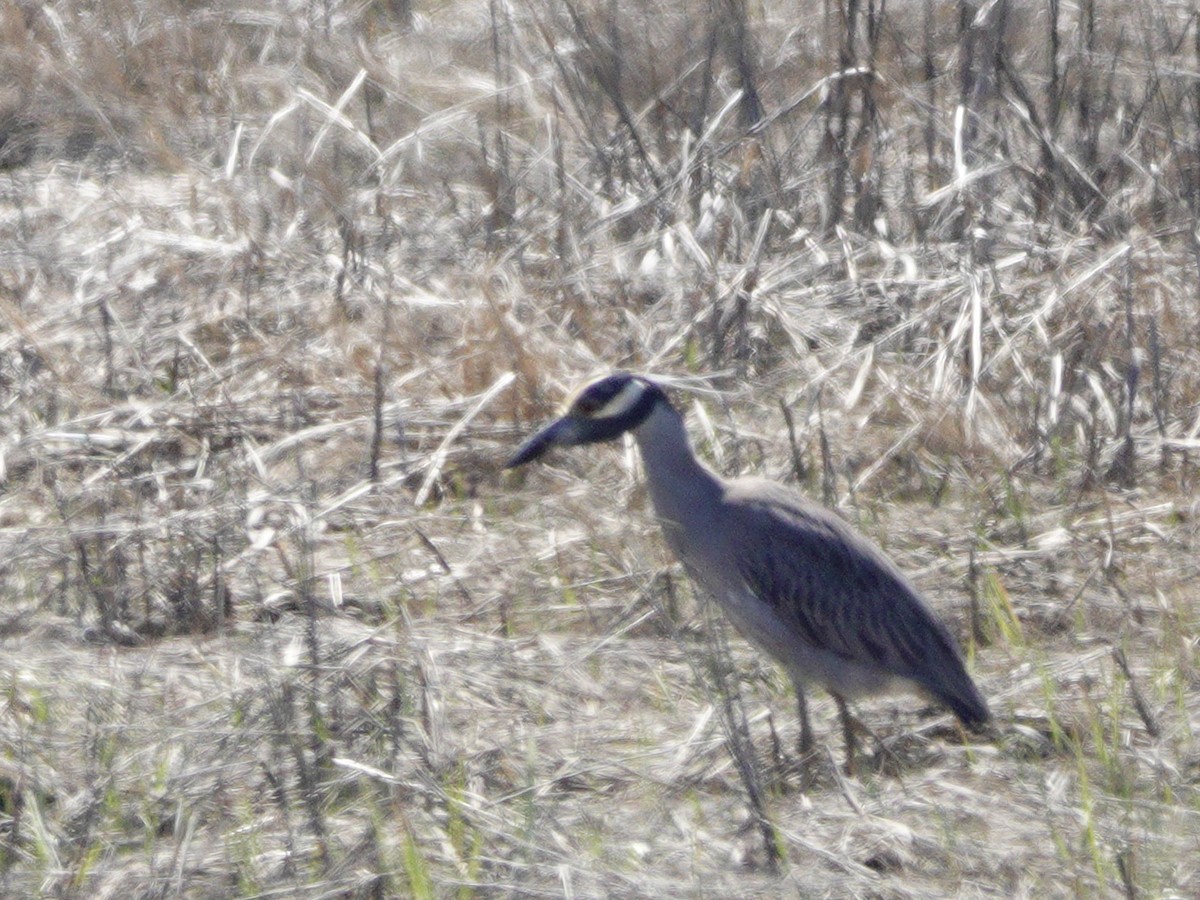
(680, 485)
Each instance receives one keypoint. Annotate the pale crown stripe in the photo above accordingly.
(622, 402)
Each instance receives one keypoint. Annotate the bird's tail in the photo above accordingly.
(967, 703)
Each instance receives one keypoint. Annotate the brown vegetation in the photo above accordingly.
(280, 287)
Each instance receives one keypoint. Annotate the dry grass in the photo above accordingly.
(279, 289)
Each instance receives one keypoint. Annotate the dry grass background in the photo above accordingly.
(281, 286)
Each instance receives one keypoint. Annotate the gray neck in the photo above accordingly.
(683, 489)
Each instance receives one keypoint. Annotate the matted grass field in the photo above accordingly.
(281, 287)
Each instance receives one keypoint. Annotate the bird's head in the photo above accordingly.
(601, 410)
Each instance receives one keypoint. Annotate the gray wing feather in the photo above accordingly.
(841, 594)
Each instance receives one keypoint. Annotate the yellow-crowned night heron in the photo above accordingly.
(795, 579)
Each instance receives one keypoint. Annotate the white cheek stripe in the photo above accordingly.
(622, 402)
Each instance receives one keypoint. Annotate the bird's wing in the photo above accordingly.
(834, 588)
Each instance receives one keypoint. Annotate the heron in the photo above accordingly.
(794, 578)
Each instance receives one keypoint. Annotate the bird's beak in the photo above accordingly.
(564, 432)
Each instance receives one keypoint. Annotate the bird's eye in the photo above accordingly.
(593, 399)
(587, 404)
(606, 398)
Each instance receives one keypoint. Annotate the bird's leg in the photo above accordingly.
(806, 738)
(807, 757)
(847, 732)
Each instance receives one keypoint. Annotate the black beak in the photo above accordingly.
(564, 432)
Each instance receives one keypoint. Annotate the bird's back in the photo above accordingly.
(825, 601)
